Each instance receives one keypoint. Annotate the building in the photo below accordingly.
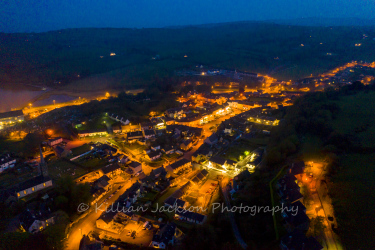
(111, 170)
(54, 141)
(135, 167)
(11, 117)
(103, 183)
(61, 152)
(200, 177)
(221, 163)
(35, 184)
(136, 135)
(212, 139)
(88, 244)
(92, 132)
(153, 155)
(34, 222)
(178, 166)
(123, 158)
(107, 222)
(203, 153)
(175, 203)
(188, 216)
(168, 149)
(288, 190)
(116, 128)
(6, 162)
(149, 133)
(186, 145)
(164, 236)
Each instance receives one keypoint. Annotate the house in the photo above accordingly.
(153, 155)
(200, 177)
(212, 139)
(107, 222)
(298, 240)
(188, 216)
(93, 132)
(116, 128)
(175, 203)
(203, 153)
(131, 194)
(146, 126)
(295, 217)
(168, 149)
(123, 158)
(221, 163)
(159, 172)
(164, 236)
(135, 167)
(103, 182)
(288, 190)
(186, 145)
(97, 193)
(6, 161)
(149, 133)
(178, 166)
(136, 135)
(111, 170)
(54, 141)
(87, 244)
(61, 152)
(155, 147)
(154, 178)
(34, 222)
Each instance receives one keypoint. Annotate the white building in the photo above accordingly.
(6, 162)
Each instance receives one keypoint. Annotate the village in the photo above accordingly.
(182, 159)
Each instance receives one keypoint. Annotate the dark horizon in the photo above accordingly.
(41, 16)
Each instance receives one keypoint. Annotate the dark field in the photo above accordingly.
(73, 57)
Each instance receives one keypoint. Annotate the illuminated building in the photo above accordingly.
(11, 117)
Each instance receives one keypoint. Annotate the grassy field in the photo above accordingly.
(81, 149)
(80, 58)
(354, 200)
(58, 168)
(357, 117)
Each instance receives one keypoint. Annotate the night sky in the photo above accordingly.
(44, 15)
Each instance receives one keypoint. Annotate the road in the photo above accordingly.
(235, 229)
(87, 224)
(322, 204)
